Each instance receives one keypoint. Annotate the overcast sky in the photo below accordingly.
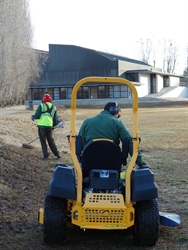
(113, 26)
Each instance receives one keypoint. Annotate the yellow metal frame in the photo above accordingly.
(103, 211)
(98, 209)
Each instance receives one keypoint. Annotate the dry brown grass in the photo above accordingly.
(25, 178)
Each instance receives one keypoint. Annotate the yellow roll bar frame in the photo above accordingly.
(135, 139)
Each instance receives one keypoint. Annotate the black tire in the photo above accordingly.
(146, 227)
(54, 220)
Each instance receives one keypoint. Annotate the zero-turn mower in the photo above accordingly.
(92, 194)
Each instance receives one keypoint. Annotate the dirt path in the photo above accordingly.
(11, 110)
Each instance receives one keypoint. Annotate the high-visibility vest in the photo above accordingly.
(47, 114)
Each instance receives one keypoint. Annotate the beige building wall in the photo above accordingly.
(159, 79)
(144, 88)
(125, 66)
(174, 81)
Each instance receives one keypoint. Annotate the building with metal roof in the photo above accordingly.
(67, 64)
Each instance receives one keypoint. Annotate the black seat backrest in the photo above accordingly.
(101, 154)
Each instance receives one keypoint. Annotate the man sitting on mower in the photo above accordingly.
(107, 125)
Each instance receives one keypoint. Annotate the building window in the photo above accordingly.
(79, 93)
(132, 77)
(107, 91)
(101, 91)
(117, 91)
(37, 94)
(130, 93)
(165, 81)
(153, 83)
(63, 94)
(56, 94)
(124, 91)
(69, 93)
(50, 91)
(85, 92)
(93, 92)
(111, 92)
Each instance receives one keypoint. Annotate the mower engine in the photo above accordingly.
(103, 181)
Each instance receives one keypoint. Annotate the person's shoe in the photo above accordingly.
(58, 155)
(46, 157)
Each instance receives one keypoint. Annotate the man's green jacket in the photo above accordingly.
(105, 125)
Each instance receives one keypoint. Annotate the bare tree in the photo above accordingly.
(149, 50)
(170, 56)
(19, 63)
(145, 48)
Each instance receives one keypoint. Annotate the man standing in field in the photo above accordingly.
(48, 118)
(107, 125)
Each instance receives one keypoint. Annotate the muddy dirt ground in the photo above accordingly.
(25, 178)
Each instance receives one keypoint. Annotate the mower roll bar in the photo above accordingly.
(135, 138)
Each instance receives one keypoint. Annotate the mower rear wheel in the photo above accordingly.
(146, 228)
(54, 220)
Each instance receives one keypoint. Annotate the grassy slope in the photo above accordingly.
(25, 178)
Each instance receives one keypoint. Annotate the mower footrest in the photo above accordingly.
(168, 219)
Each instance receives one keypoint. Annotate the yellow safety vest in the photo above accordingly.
(47, 114)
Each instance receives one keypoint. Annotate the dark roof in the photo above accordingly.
(152, 71)
(139, 71)
(114, 57)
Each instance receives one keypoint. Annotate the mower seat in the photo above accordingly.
(103, 154)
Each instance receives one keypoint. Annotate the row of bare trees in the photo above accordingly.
(19, 63)
(149, 50)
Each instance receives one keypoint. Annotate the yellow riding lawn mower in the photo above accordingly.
(93, 194)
